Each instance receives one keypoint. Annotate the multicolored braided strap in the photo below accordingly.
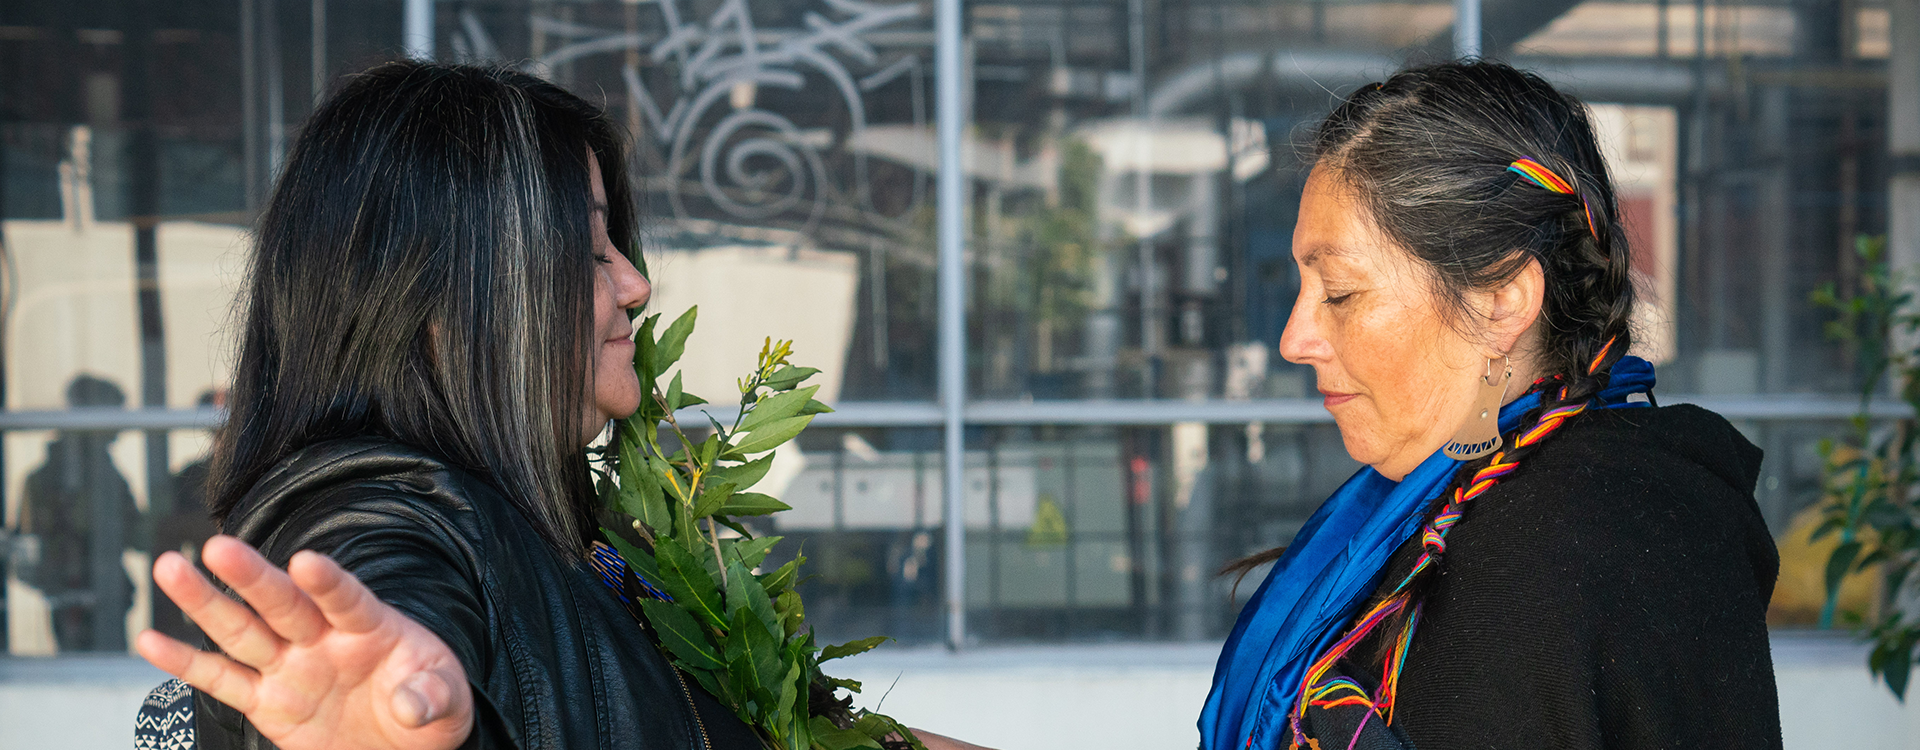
(1318, 689)
(613, 570)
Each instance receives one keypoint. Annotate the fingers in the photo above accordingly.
(284, 608)
(943, 742)
(342, 599)
(421, 699)
(218, 676)
(228, 623)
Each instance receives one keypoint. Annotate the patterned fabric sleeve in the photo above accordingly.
(165, 721)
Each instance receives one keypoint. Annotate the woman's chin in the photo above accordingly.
(621, 408)
(1360, 449)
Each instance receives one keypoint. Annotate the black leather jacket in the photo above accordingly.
(554, 659)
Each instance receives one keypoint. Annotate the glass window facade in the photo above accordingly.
(1130, 172)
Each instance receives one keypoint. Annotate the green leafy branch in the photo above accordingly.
(738, 631)
(1868, 477)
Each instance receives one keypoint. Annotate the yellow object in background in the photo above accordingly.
(1802, 589)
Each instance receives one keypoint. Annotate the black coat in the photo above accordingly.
(554, 659)
(1610, 593)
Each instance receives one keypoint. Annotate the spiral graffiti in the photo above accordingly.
(746, 161)
(767, 168)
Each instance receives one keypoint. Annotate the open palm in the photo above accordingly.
(318, 662)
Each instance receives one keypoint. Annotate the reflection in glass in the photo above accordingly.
(80, 514)
(1132, 175)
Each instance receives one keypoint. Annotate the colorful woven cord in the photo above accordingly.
(613, 569)
(1318, 690)
(1539, 174)
(1594, 366)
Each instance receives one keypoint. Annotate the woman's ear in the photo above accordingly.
(1513, 307)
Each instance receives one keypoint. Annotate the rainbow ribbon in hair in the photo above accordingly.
(1539, 174)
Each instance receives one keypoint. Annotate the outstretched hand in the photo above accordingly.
(319, 661)
(943, 742)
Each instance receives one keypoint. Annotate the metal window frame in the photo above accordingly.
(1803, 407)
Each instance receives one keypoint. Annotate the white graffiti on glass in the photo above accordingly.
(747, 161)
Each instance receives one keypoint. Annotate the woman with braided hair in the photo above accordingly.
(1536, 555)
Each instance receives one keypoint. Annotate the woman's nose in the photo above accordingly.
(1302, 343)
(631, 290)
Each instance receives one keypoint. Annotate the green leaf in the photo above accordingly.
(1824, 296)
(744, 683)
(1897, 671)
(816, 407)
(688, 582)
(784, 697)
(752, 504)
(643, 354)
(668, 479)
(843, 683)
(743, 591)
(852, 647)
(743, 475)
(785, 378)
(1839, 563)
(874, 725)
(630, 430)
(685, 399)
(673, 392)
(731, 524)
(802, 731)
(777, 406)
(747, 637)
(680, 634)
(673, 341)
(750, 552)
(829, 737)
(792, 612)
(640, 560)
(770, 435)
(887, 725)
(710, 449)
(783, 578)
(713, 500)
(639, 494)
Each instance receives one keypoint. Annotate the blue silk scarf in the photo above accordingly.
(1329, 569)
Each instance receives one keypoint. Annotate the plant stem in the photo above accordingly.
(713, 535)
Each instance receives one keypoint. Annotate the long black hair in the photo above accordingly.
(423, 272)
(1427, 151)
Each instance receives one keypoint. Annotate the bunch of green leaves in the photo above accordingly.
(1868, 480)
(737, 630)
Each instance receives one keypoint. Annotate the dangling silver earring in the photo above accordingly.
(1480, 435)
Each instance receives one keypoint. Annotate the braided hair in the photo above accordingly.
(1478, 169)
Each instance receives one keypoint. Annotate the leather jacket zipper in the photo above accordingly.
(705, 743)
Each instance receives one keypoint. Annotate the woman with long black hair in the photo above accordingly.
(435, 325)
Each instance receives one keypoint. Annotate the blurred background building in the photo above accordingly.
(1128, 174)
